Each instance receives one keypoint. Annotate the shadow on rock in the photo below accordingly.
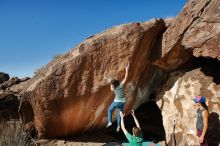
(150, 119)
(214, 129)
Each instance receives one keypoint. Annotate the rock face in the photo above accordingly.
(179, 110)
(9, 96)
(71, 94)
(203, 35)
(193, 33)
(196, 29)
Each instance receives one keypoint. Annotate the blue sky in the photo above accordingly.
(33, 31)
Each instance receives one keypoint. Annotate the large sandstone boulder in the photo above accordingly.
(196, 30)
(71, 94)
(179, 110)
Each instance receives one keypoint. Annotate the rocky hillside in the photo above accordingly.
(10, 92)
(177, 59)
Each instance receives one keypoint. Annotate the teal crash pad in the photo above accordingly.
(143, 144)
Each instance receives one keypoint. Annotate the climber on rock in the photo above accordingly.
(136, 138)
(119, 101)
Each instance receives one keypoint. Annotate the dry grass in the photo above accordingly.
(12, 134)
(57, 56)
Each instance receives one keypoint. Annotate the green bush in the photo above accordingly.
(12, 134)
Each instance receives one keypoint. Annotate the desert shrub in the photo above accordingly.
(12, 134)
